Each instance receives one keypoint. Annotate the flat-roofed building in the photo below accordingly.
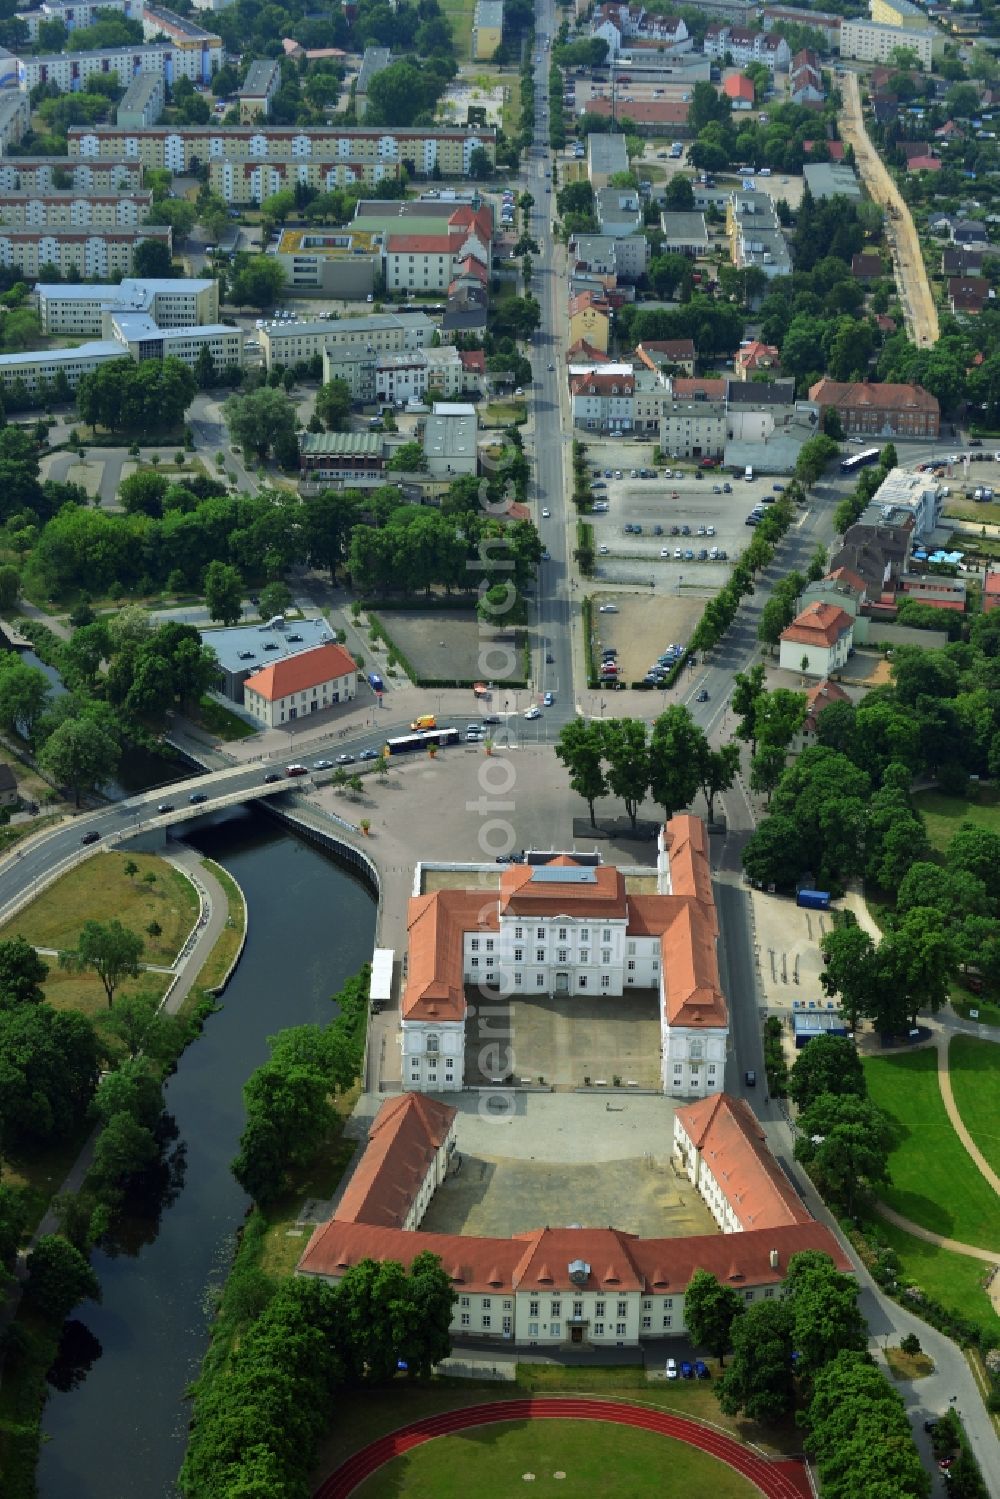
(243, 650)
(451, 440)
(258, 88)
(142, 103)
(356, 367)
(15, 117)
(76, 13)
(74, 210)
(343, 263)
(248, 182)
(684, 234)
(44, 174)
(341, 457)
(70, 71)
(872, 41)
(409, 376)
(79, 310)
(606, 155)
(381, 332)
(199, 52)
(832, 179)
(374, 61)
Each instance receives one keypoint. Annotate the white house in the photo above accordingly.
(818, 641)
(564, 928)
(300, 685)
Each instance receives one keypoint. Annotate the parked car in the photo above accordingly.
(603, 550)
(701, 1369)
(671, 1369)
(608, 609)
(687, 1370)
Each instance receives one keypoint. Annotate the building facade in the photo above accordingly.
(881, 410)
(339, 458)
(818, 641)
(79, 311)
(70, 71)
(91, 254)
(258, 88)
(72, 210)
(872, 41)
(143, 102)
(380, 332)
(301, 685)
(15, 117)
(45, 174)
(405, 377)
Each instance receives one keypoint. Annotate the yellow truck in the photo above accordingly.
(425, 721)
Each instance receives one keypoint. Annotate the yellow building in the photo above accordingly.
(897, 13)
(487, 29)
(589, 321)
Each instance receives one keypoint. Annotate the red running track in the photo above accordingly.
(776, 1480)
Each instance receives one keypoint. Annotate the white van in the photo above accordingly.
(748, 472)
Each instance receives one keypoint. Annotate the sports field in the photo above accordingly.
(574, 1459)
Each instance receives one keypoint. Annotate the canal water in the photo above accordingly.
(116, 1425)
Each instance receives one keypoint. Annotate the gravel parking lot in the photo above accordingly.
(436, 645)
(643, 627)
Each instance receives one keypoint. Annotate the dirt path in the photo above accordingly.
(911, 274)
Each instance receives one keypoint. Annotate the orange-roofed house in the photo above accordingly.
(991, 592)
(738, 89)
(722, 1149)
(300, 685)
(560, 927)
(818, 641)
(409, 1146)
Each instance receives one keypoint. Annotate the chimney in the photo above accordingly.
(773, 1258)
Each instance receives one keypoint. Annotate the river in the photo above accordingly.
(120, 1431)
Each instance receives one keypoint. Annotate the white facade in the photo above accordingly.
(69, 71)
(73, 210)
(382, 332)
(868, 41)
(433, 1059)
(272, 712)
(80, 310)
(76, 13)
(100, 253)
(404, 377)
(693, 429)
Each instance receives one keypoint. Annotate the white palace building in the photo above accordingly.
(565, 925)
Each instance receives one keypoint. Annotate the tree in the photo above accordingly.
(24, 693)
(825, 1315)
(976, 851)
(333, 404)
(140, 1025)
(151, 260)
(143, 491)
(224, 592)
(10, 586)
(710, 1309)
(850, 973)
(677, 748)
(758, 1383)
(779, 716)
(408, 458)
(260, 421)
(258, 282)
(915, 961)
(132, 1089)
(859, 1432)
(79, 755)
(275, 598)
(716, 773)
(49, 1067)
(766, 769)
(13, 1222)
(22, 974)
(108, 949)
(580, 747)
(843, 1143)
(627, 753)
(747, 690)
(59, 1278)
(829, 1064)
(774, 854)
(151, 396)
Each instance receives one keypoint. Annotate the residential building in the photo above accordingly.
(619, 211)
(69, 71)
(625, 259)
(818, 641)
(487, 29)
(959, 261)
(356, 367)
(832, 179)
(300, 685)
(606, 156)
(79, 311)
(867, 266)
(558, 927)
(755, 234)
(247, 182)
(818, 699)
(897, 13)
(756, 410)
(991, 591)
(342, 263)
(871, 41)
(199, 52)
(677, 354)
(75, 13)
(754, 357)
(258, 88)
(745, 46)
(339, 458)
(15, 117)
(880, 410)
(667, 117)
(650, 393)
(602, 398)
(451, 440)
(693, 428)
(143, 102)
(936, 590)
(816, 20)
(374, 61)
(684, 234)
(422, 148)
(805, 81)
(590, 320)
(408, 376)
(97, 252)
(380, 332)
(971, 234)
(634, 29)
(739, 90)
(74, 210)
(44, 174)
(968, 294)
(44, 369)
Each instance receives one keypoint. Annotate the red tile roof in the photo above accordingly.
(473, 360)
(324, 663)
(818, 624)
(671, 350)
(522, 895)
(686, 386)
(644, 111)
(734, 1148)
(585, 300)
(596, 383)
(852, 580)
(436, 927)
(738, 86)
(404, 1140)
(991, 592)
(857, 394)
(418, 244)
(585, 351)
(819, 698)
(659, 1266)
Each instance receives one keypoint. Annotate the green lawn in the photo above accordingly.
(219, 720)
(945, 814)
(596, 1459)
(459, 15)
(934, 1181)
(952, 1279)
(975, 1082)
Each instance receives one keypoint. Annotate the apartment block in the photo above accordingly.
(15, 117)
(421, 148)
(258, 89)
(143, 102)
(401, 378)
(245, 182)
(69, 71)
(67, 308)
(76, 13)
(72, 210)
(97, 253)
(45, 174)
(872, 41)
(897, 13)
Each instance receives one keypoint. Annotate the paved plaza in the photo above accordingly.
(564, 1039)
